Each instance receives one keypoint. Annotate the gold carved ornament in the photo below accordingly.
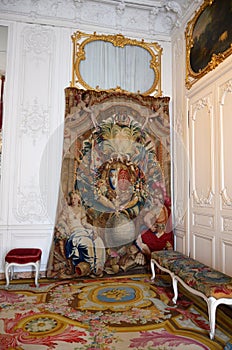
(191, 76)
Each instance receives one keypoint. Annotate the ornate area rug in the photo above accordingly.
(127, 312)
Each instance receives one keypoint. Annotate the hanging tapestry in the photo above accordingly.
(114, 204)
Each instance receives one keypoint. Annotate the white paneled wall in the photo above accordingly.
(210, 125)
(202, 172)
(38, 70)
(3, 48)
(180, 157)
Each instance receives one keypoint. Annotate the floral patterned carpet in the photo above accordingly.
(127, 312)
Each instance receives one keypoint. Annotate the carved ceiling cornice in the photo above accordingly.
(142, 17)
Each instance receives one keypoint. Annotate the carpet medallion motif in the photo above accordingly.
(105, 313)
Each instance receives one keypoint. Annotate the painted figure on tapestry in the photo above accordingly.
(156, 234)
(80, 250)
(116, 159)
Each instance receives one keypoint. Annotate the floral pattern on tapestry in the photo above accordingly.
(114, 204)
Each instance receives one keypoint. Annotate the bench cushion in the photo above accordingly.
(197, 275)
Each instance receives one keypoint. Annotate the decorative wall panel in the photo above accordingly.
(203, 243)
(210, 215)
(205, 221)
(202, 134)
(225, 149)
(33, 114)
(226, 256)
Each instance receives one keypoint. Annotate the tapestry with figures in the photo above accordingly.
(114, 204)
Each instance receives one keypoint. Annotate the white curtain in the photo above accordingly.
(107, 66)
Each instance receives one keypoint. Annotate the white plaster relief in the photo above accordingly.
(134, 18)
(170, 21)
(53, 8)
(120, 9)
(8, 2)
(38, 45)
(35, 121)
(224, 90)
(38, 48)
(77, 10)
(154, 12)
(77, 3)
(178, 48)
(202, 103)
(180, 213)
(96, 12)
(227, 224)
(186, 4)
(30, 208)
(201, 200)
(38, 40)
(226, 199)
(205, 221)
(178, 121)
(173, 6)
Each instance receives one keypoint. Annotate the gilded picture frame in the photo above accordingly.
(153, 50)
(208, 39)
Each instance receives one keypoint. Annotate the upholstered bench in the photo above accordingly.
(22, 257)
(213, 286)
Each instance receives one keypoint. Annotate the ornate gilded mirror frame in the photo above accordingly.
(208, 39)
(153, 50)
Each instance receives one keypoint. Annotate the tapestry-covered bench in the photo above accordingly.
(213, 286)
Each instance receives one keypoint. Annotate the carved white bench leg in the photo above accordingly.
(152, 269)
(175, 289)
(212, 305)
(173, 277)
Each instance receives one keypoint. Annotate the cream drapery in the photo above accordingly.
(106, 66)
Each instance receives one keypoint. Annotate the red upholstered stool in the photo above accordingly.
(22, 257)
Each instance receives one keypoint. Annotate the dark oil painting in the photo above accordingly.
(212, 34)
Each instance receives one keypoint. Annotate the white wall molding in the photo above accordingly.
(146, 17)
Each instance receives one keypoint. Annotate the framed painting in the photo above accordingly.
(208, 39)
